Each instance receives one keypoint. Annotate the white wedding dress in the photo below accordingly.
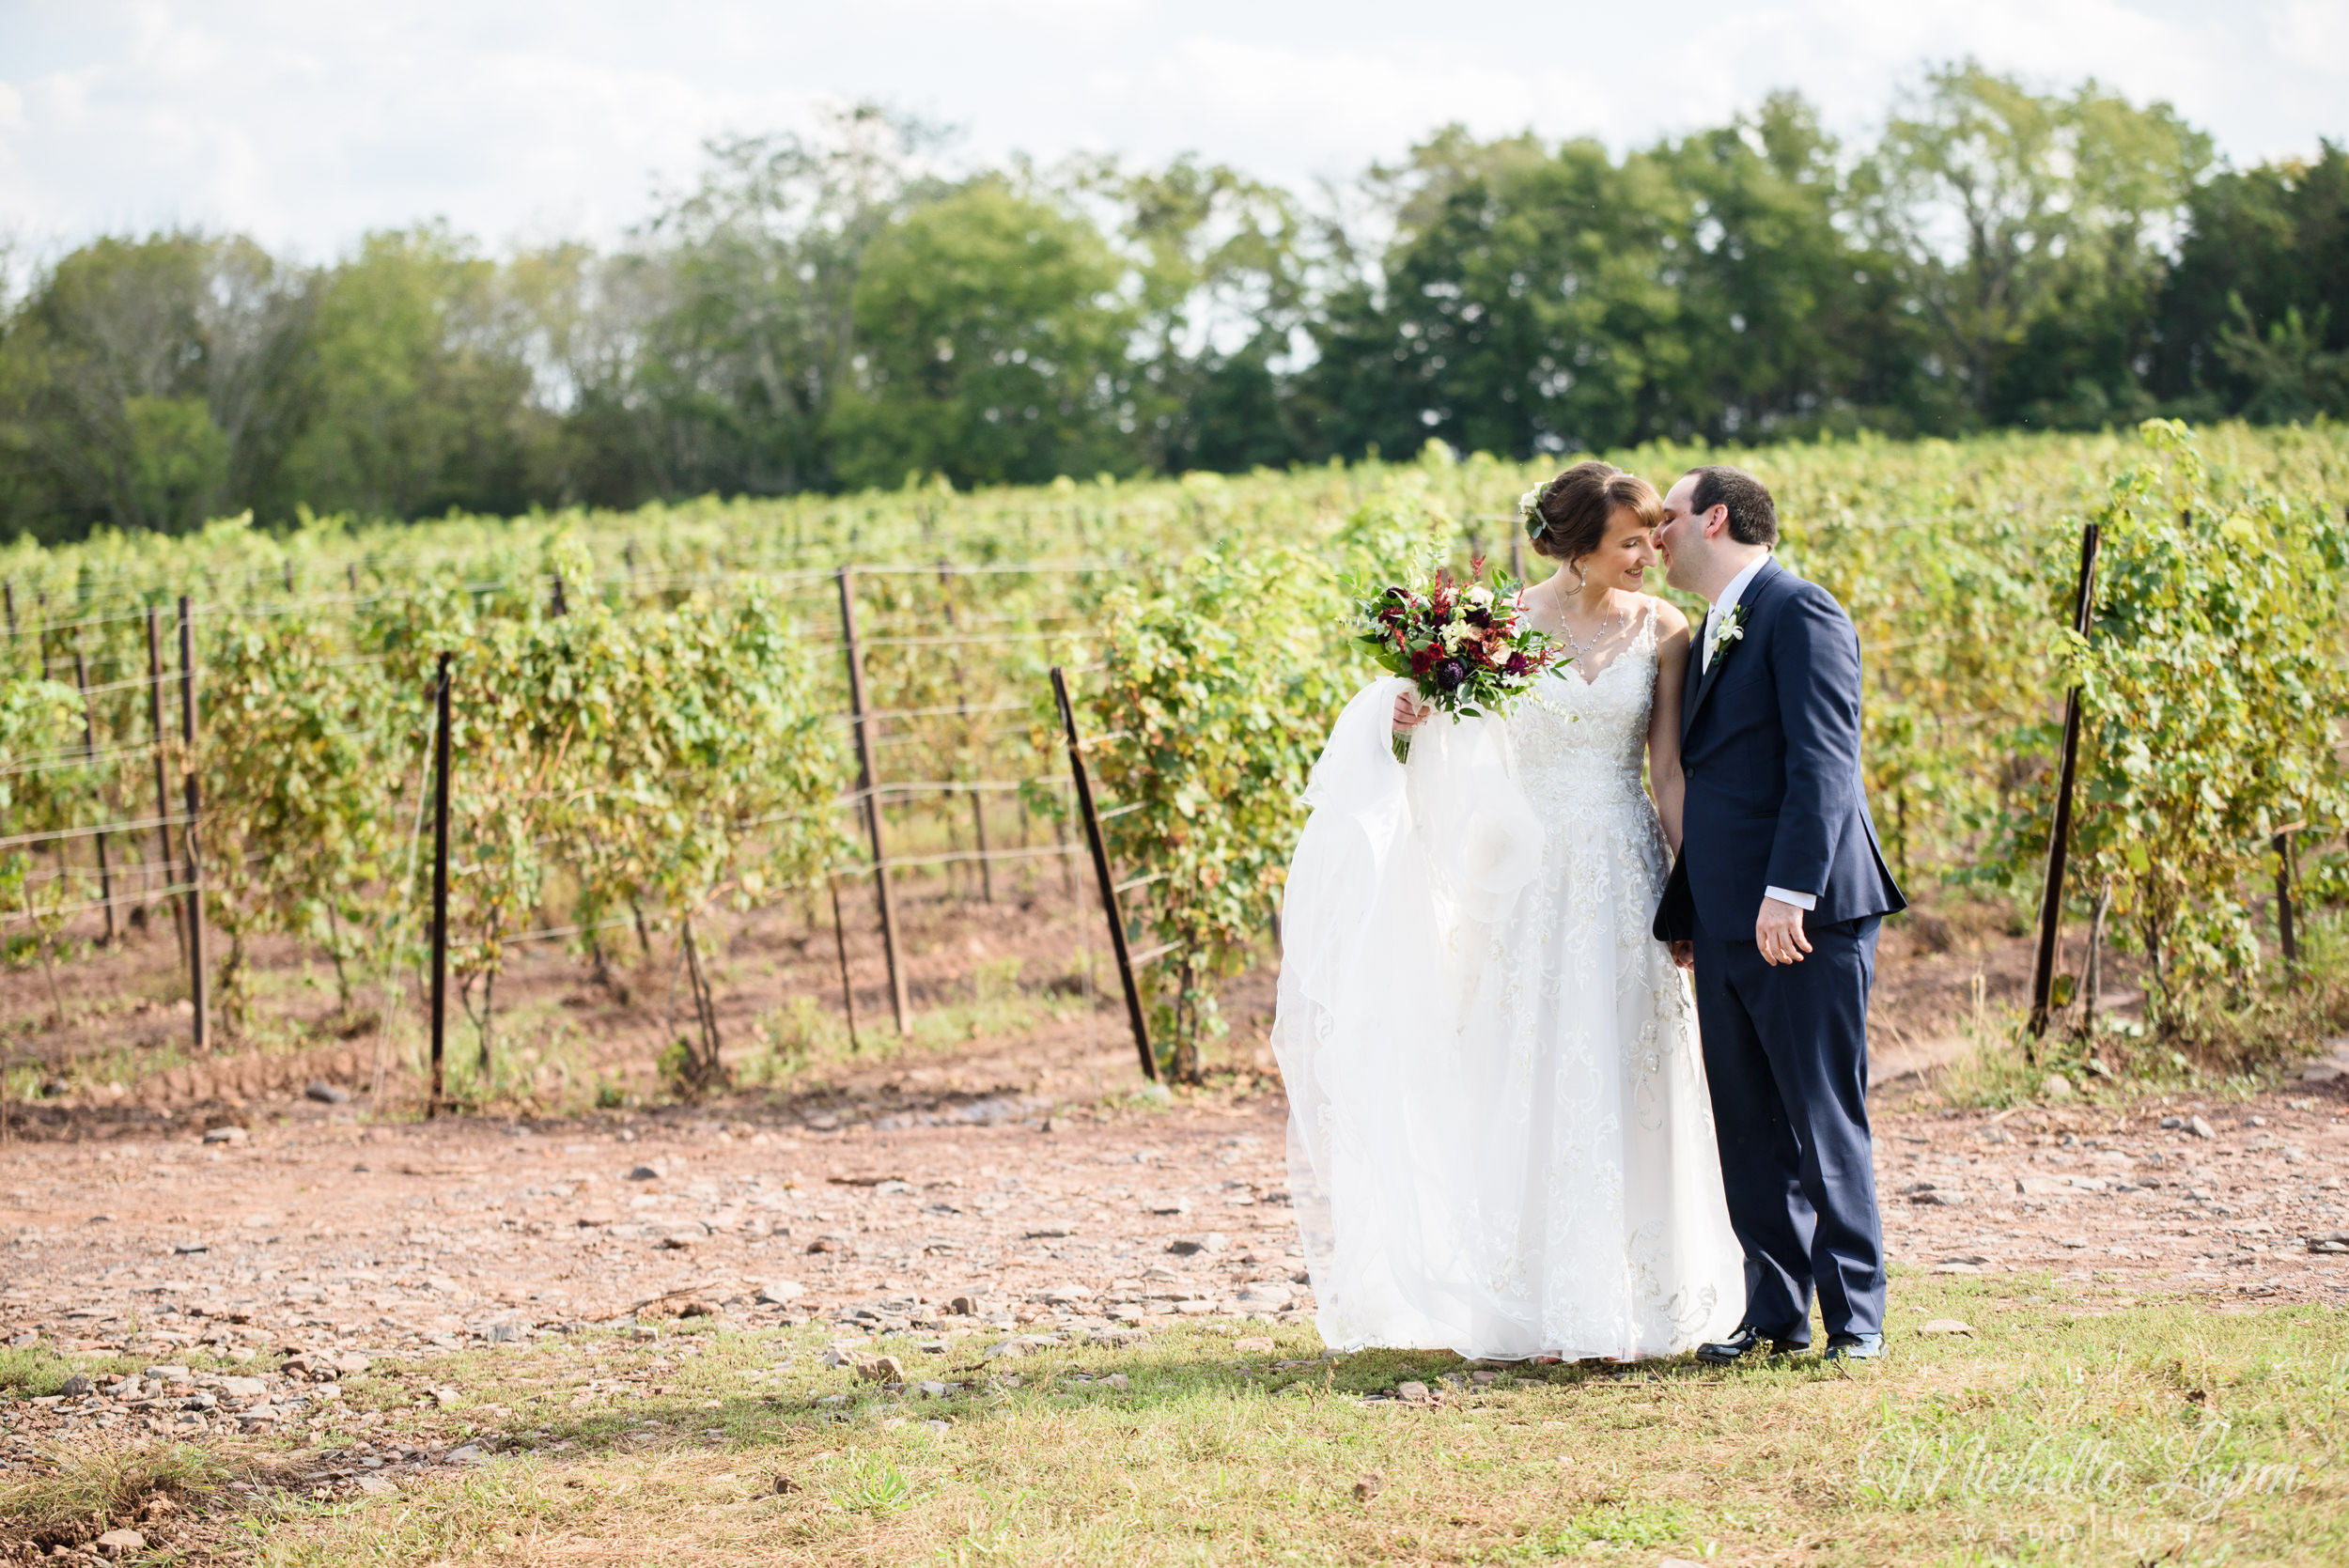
(1500, 1137)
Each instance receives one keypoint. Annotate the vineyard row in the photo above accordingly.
(655, 743)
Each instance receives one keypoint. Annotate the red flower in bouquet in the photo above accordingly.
(1469, 647)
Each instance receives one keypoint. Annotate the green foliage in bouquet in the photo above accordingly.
(1467, 646)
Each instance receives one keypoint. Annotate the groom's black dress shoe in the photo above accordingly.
(1748, 1342)
(1854, 1347)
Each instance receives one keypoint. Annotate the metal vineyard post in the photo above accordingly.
(867, 790)
(1101, 875)
(162, 784)
(439, 881)
(188, 835)
(2051, 901)
(90, 756)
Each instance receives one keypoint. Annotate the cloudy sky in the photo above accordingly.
(306, 124)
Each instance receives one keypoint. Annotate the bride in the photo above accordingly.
(1500, 1137)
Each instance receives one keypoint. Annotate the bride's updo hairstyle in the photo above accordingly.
(1568, 518)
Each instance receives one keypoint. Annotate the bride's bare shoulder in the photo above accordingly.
(1670, 622)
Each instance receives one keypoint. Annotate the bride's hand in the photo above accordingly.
(1409, 712)
(1685, 955)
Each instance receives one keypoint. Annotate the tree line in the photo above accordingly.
(846, 309)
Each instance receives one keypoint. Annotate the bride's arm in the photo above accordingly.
(1663, 725)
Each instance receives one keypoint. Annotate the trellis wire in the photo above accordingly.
(95, 761)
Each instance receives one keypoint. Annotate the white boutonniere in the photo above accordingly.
(1721, 630)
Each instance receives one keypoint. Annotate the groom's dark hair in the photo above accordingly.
(1752, 517)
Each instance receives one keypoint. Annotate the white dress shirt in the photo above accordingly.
(1727, 603)
(1722, 606)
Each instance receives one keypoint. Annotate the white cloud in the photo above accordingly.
(2317, 28)
(1337, 109)
(308, 124)
(304, 145)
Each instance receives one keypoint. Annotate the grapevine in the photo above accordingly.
(651, 704)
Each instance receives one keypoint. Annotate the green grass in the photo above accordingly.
(2053, 1433)
(87, 1491)
(806, 1037)
(2223, 1049)
(541, 1061)
(2122, 1062)
(29, 1372)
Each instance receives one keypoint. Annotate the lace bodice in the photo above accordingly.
(1579, 742)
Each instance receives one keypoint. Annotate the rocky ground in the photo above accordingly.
(350, 1243)
(2239, 1203)
(245, 1246)
(340, 1243)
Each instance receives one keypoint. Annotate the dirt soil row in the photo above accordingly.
(1014, 1183)
(316, 1229)
(1015, 969)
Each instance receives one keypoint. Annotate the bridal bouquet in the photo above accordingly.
(1469, 647)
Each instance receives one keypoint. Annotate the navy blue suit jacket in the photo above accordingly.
(1770, 742)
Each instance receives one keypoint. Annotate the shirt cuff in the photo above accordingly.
(1799, 900)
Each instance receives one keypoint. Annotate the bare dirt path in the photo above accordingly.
(1016, 1185)
(314, 1230)
(224, 1291)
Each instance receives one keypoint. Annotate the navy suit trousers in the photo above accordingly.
(1786, 1057)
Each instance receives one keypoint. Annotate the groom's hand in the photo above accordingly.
(1778, 932)
(1685, 955)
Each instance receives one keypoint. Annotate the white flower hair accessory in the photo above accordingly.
(1530, 509)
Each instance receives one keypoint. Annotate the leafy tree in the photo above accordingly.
(1538, 300)
(1792, 324)
(835, 310)
(1223, 291)
(2011, 210)
(418, 385)
(2293, 376)
(2255, 316)
(993, 346)
(1504, 316)
(146, 383)
(745, 305)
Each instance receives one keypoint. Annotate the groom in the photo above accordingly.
(1780, 887)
